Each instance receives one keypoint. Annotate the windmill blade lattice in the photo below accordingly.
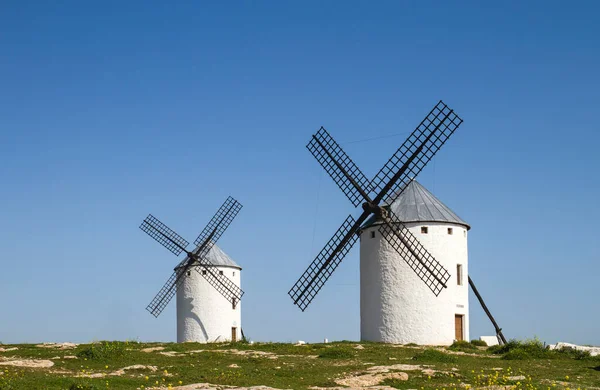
(335, 161)
(163, 235)
(418, 149)
(165, 294)
(427, 268)
(319, 271)
(221, 283)
(219, 222)
(404, 165)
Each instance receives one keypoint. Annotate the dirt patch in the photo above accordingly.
(57, 345)
(94, 375)
(352, 388)
(441, 349)
(63, 357)
(171, 353)
(250, 353)
(208, 386)
(152, 349)
(368, 380)
(398, 367)
(359, 347)
(8, 349)
(134, 367)
(28, 363)
(119, 372)
(61, 372)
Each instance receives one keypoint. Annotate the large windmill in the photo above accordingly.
(375, 196)
(207, 299)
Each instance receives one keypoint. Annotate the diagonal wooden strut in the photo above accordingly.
(499, 333)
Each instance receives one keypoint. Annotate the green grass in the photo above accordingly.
(434, 356)
(286, 366)
(104, 350)
(463, 346)
(336, 353)
(479, 343)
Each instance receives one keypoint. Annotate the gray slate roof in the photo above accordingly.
(417, 204)
(217, 257)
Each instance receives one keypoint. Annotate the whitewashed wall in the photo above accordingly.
(203, 314)
(395, 304)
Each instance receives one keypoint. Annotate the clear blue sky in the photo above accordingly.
(112, 110)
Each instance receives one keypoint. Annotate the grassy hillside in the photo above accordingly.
(132, 365)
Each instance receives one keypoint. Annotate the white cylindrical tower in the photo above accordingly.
(203, 314)
(396, 306)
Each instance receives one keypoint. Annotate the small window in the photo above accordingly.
(373, 234)
(424, 230)
(233, 273)
(220, 272)
(465, 232)
(459, 276)
(233, 303)
(450, 231)
(203, 272)
(189, 273)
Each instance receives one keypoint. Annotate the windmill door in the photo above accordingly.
(458, 327)
(234, 334)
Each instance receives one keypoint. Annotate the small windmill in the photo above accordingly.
(418, 149)
(197, 258)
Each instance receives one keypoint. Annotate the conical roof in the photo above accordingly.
(417, 204)
(217, 257)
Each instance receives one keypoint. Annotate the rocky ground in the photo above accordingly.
(132, 365)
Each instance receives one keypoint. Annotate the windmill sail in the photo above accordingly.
(339, 166)
(418, 149)
(406, 163)
(319, 271)
(196, 259)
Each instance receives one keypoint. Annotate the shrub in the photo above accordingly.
(574, 353)
(411, 345)
(479, 343)
(433, 355)
(533, 347)
(104, 350)
(502, 349)
(336, 353)
(461, 345)
(516, 354)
